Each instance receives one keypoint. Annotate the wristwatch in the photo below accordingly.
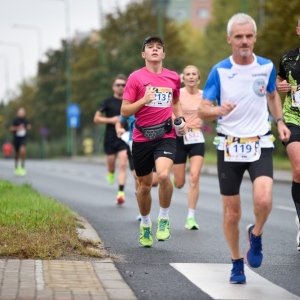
(280, 119)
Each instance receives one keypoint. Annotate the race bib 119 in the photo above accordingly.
(242, 149)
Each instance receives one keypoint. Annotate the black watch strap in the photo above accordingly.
(280, 119)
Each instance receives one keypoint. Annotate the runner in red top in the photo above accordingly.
(152, 94)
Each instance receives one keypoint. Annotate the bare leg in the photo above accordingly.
(111, 162)
(179, 175)
(144, 194)
(122, 158)
(195, 169)
(23, 155)
(231, 217)
(262, 198)
(165, 191)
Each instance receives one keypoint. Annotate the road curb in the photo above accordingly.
(108, 275)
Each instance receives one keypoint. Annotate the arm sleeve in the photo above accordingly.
(211, 89)
(122, 119)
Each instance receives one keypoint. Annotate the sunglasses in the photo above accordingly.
(120, 84)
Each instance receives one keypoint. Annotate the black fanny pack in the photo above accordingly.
(156, 131)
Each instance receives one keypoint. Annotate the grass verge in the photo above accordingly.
(36, 226)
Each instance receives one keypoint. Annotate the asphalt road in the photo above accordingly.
(83, 187)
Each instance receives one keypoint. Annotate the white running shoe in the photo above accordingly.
(298, 234)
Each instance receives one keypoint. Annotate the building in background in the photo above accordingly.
(199, 12)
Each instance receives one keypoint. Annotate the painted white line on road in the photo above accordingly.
(282, 207)
(213, 279)
(39, 277)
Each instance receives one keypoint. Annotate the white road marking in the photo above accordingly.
(213, 279)
(288, 208)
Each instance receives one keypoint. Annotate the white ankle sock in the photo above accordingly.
(145, 220)
(191, 213)
(163, 213)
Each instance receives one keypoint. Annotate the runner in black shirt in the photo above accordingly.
(19, 128)
(114, 147)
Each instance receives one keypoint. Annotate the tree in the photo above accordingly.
(278, 34)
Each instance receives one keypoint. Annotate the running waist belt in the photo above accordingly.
(156, 131)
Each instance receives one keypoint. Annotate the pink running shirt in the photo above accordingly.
(167, 85)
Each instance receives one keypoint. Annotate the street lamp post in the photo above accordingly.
(6, 75)
(21, 52)
(39, 35)
(160, 17)
(244, 6)
(68, 71)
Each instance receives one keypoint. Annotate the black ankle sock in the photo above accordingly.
(240, 259)
(296, 196)
(121, 188)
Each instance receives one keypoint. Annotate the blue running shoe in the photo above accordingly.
(254, 255)
(237, 272)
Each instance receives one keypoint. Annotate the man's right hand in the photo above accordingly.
(120, 131)
(226, 108)
(149, 94)
(114, 120)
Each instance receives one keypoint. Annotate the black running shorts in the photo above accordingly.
(230, 174)
(295, 134)
(184, 151)
(19, 142)
(113, 144)
(146, 153)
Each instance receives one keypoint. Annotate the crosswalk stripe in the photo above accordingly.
(213, 279)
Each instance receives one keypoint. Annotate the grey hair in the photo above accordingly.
(241, 19)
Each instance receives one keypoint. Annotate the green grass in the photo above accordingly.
(279, 162)
(36, 226)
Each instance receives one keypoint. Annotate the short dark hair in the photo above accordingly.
(120, 76)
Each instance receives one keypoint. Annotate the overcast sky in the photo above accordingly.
(19, 47)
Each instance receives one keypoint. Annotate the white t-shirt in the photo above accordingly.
(246, 86)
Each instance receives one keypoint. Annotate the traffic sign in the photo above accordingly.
(73, 109)
(73, 113)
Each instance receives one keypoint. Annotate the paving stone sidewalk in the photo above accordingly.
(63, 279)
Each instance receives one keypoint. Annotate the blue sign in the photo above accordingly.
(73, 109)
(73, 113)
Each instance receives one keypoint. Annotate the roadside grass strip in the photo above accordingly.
(38, 227)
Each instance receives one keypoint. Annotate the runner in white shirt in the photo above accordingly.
(244, 86)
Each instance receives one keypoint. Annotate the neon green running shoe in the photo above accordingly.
(17, 171)
(146, 239)
(163, 230)
(22, 171)
(110, 178)
(191, 224)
